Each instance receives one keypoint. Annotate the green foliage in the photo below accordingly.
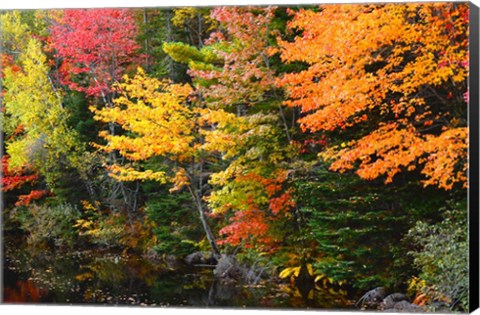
(357, 225)
(175, 228)
(442, 257)
(46, 224)
(80, 118)
(154, 30)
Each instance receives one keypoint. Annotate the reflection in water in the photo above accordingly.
(44, 276)
(24, 290)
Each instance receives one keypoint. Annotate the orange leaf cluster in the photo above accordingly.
(401, 68)
(257, 203)
(25, 200)
(248, 227)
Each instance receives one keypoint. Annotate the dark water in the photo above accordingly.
(45, 276)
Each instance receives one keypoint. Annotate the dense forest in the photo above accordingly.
(320, 145)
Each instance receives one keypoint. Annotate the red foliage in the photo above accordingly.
(98, 43)
(254, 226)
(249, 227)
(14, 179)
(7, 61)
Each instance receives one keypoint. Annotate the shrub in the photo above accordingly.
(115, 230)
(442, 257)
(48, 224)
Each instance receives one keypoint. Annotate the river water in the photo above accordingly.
(44, 276)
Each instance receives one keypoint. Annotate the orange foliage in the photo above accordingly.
(249, 227)
(399, 70)
(25, 200)
(258, 202)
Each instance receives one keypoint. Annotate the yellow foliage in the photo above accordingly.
(159, 121)
(290, 271)
(15, 34)
(182, 16)
(416, 285)
(31, 101)
(295, 271)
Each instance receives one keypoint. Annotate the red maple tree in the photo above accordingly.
(95, 45)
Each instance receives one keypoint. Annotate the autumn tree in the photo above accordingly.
(382, 89)
(95, 46)
(252, 191)
(247, 126)
(94, 49)
(394, 75)
(35, 120)
(160, 122)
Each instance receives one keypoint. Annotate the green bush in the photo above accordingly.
(48, 224)
(177, 227)
(442, 257)
(356, 225)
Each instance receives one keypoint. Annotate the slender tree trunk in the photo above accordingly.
(146, 41)
(206, 227)
(171, 70)
(199, 30)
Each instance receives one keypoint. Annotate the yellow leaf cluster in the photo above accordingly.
(31, 102)
(127, 174)
(157, 121)
(181, 17)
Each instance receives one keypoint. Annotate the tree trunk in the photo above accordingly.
(146, 41)
(206, 227)
(170, 38)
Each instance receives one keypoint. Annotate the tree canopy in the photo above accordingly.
(332, 139)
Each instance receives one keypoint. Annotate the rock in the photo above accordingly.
(153, 256)
(390, 300)
(228, 269)
(372, 298)
(225, 291)
(440, 307)
(200, 258)
(172, 262)
(405, 306)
